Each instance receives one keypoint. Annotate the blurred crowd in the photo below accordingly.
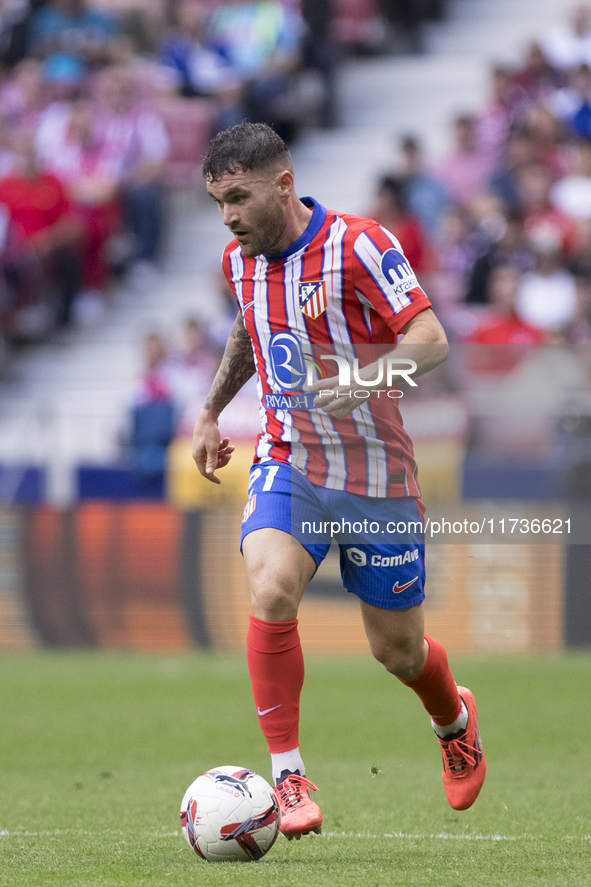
(83, 151)
(499, 230)
(101, 111)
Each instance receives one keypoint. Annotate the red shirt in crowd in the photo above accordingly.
(554, 223)
(35, 204)
(509, 331)
(413, 240)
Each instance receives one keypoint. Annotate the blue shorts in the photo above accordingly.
(389, 575)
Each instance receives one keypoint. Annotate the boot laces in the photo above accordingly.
(291, 790)
(460, 755)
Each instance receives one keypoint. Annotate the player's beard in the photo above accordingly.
(265, 233)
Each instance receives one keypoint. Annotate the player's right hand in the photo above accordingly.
(210, 450)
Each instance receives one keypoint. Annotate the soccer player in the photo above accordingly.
(305, 276)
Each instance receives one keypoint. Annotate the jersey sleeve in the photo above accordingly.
(384, 279)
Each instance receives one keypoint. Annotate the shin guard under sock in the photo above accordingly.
(276, 667)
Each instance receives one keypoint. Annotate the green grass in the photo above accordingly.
(96, 751)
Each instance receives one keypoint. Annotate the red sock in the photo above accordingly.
(276, 667)
(435, 686)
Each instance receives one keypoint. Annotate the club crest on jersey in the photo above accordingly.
(313, 298)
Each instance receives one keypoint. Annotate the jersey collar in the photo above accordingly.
(314, 225)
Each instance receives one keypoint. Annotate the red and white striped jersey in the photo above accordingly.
(344, 284)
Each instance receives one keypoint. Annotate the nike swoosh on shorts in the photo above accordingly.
(398, 588)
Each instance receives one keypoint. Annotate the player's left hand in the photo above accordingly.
(341, 404)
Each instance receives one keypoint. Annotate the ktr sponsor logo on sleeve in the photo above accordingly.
(398, 272)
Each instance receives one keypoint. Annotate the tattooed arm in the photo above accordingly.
(210, 451)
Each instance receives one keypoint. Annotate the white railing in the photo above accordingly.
(58, 435)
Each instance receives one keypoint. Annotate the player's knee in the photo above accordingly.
(274, 597)
(402, 658)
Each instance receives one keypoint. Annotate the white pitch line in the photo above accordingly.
(413, 836)
(443, 836)
(21, 833)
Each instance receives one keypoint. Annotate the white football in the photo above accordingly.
(230, 814)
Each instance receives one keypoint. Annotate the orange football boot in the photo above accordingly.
(298, 813)
(464, 764)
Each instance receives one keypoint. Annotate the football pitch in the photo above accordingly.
(96, 751)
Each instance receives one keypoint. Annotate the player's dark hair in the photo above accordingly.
(244, 147)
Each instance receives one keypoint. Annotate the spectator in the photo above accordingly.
(537, 79)
(153, 411)
(77, 158)
(192, 369)
(135, 146)
(544, 223)
(493, 122)
(548, 296)
(199, 68)
(504, 326)
(572, 105)
(458, 248)
(21, 97)
(519, 152)
(489, 218)
(14, 23)
(261, 41)
(69, 29)
(572, 194)
(390, 210)
(465, 172)
(570, 45)
(154, 383)
(45, 239)
(322, 54)
(425, 196)
(196, 352)
(548, 135)
(511, 250)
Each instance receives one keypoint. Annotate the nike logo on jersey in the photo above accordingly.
(267, 710)
(250, 304)
(398, 588)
